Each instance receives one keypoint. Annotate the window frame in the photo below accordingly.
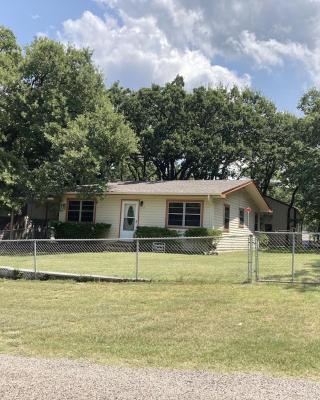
(241, 225)
(80, 211)
(184, 202)
(226, 206)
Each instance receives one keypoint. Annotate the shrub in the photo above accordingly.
(171, 246)
(198, 232)
(206, 245)
(71, 230)
(263, 241)
(155, 232)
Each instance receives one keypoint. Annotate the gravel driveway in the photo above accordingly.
(40, 379)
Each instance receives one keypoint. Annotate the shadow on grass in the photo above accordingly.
(305, 280)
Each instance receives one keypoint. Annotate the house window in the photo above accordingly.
(241, 217)
(268, 227)
(80, 211)
(226, 223)
(184, 214)
(256, 221)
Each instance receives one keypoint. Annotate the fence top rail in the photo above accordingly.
(181, 238)
(285, 233)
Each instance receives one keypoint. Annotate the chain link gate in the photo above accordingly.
(284, 257)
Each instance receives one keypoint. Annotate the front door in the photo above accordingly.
(129, 218)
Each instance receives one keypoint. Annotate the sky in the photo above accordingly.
(270, 45)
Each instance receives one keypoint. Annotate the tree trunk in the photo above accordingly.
(291, 206)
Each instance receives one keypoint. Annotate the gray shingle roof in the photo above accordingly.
(198, 187)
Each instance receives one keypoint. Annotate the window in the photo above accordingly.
(268, 227)
(226, 217)
(184, 214)
(80, 211)
(256, 221)
(241, 217)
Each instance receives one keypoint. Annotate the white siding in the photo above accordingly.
(151, 213)
(236, 200)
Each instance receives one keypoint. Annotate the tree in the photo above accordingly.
(210, 133)
(59, 130)
(299, 179)
(157, 116)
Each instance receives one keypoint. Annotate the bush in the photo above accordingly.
(155, 232)
(198, 232)
(171, 246)
(71, 230)
(263, 241)
(203, 246)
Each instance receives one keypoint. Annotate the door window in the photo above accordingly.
(129, 218)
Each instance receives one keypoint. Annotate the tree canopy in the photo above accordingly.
(61, 129)
(58, 128)
(219, 133)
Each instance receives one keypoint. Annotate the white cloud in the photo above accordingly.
(153, 40)
(270, 53)
(35, 16)
(137, 52)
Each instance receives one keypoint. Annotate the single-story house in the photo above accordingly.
(233, 206)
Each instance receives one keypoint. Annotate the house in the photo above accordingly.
(278, 220)
(219, 204)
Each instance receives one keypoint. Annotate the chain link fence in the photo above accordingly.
(265, 256)
(287, 257)
(198, 259)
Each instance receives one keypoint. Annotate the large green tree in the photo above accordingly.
(59, 130)
(209, 133)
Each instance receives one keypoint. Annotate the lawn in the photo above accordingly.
(222, 327)
(196, 314)
(223, 268)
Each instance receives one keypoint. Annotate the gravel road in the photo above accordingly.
(40, 379)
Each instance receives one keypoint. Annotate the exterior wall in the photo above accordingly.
(154, 209)
(236, 200)
(151, 213)
(278, 218)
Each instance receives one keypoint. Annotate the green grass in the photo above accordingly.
(196, 314)
(230, 267)
(225, 267)
(221, 327)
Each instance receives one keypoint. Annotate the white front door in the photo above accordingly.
(129, 218)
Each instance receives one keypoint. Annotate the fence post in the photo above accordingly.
(293, 255)
(257, 249)
(137, 258)
(250, 242)
(35, 258)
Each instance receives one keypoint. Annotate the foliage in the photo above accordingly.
(58, 130)
(155, 232)
(69, 230)
(263, 241)
(61, 130)
(203, 246)
(218, 133)
(210, 133)
(201, 232)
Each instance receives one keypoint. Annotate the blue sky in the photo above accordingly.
(271, 45)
